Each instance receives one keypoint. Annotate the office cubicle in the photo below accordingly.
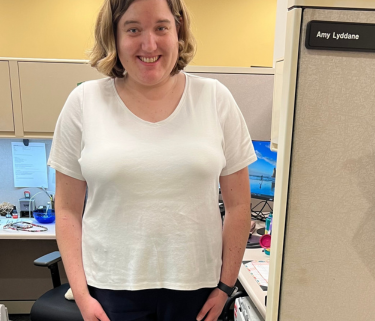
(323, 258)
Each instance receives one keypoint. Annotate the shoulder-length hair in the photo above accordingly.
(103, 55)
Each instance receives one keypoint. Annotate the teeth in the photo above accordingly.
(144, 59)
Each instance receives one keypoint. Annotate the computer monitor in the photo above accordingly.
(263, 171)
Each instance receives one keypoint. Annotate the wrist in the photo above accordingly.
(81, 295)
(229, 290)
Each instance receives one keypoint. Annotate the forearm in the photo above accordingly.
(235, 235)
(69, 239)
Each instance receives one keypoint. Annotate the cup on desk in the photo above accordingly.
(265, 242)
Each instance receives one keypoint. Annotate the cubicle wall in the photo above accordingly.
(328, 269)
(20, 281)
(253, 93)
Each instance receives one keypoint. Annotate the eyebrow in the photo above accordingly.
(163, 20)
(128, 22)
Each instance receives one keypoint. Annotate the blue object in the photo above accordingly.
(262, 172)
(268, 224)
(42, 217)
(270, 216)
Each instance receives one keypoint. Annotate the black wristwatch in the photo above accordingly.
(227, 289)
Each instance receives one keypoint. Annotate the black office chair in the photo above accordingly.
(228, 312)
(52, 306)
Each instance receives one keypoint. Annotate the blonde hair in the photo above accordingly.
(103, 55)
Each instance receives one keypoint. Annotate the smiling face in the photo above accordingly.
(147, 42)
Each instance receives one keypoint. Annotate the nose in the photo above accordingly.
(149, 42)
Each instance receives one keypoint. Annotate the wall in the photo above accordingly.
(229, 33)
(9, 193)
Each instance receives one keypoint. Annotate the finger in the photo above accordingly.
(212, 316)
(102, 316)
(203, 311)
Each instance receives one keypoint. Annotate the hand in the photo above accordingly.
(213, 306)
(91, 309)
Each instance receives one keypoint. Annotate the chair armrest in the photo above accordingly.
(225, 313)
(48, 259)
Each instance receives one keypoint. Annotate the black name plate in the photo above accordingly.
(328, 35)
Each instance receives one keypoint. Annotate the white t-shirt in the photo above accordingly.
(152, 218)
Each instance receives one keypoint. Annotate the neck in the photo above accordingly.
(155, 92)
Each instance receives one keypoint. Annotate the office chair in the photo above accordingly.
(52, 305)
(228, 312)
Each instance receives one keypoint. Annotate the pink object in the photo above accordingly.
(265, 241)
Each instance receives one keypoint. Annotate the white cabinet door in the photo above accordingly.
(44, 88)
(6, 110)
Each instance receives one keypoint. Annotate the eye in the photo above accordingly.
(162, 28)
(132, 30)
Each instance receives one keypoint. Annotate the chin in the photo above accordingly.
(154, 78)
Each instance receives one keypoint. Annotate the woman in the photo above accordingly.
(150, 144)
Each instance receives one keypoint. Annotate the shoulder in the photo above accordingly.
(91, 86)
(198, 82)
(91, 90)
(97, 84)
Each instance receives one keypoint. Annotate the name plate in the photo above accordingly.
(329, 35)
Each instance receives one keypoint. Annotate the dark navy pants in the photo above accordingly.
(151, 305)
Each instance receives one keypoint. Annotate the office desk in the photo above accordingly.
(254, 291)
(50, 234)
(21, 282)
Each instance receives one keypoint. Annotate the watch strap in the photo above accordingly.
(226, 288)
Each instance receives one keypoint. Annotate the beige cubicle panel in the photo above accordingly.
(44, 88)
(328, 256)
(6, 111)
(276, 104)
(253, 94)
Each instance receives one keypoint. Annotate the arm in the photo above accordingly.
(70, 195)
(235, 190)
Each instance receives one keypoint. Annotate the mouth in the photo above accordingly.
(149, 59)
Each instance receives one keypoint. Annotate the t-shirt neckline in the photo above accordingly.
(166, 120)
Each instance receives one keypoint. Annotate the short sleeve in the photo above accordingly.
(238, 147)
(67, 139)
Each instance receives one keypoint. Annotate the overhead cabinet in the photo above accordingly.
(6, 110)
(42, 90)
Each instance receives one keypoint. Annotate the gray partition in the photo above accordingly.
(328, 270)
(253, 94)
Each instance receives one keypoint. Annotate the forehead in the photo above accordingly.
(148, 9)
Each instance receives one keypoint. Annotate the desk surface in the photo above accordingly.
(252, 288)
(50, 234)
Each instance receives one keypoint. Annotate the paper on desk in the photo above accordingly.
(29, 165)
(259, 270)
